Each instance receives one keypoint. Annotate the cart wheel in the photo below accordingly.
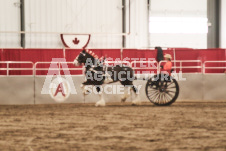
(162, 91)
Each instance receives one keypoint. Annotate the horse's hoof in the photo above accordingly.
(100, 104)
(136, 103)
(123, 100)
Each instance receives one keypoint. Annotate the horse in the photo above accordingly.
(95, 67)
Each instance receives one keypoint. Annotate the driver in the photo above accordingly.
(168, 65)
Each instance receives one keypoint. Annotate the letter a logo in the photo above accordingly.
(60, 89)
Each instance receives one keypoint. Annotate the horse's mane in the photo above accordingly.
(95, 56)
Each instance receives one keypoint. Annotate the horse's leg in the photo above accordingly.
(84, 90)
(136, 100)
(101, 102)
(133, 89)
(126, 94)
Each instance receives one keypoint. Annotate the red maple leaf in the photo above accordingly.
(75, 41)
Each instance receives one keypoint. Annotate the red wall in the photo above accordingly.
(46, 55)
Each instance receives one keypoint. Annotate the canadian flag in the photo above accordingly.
(75, 41)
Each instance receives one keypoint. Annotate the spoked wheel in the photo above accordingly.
(162, 90)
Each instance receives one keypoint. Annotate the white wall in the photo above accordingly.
(223, 24)
(102, 16)
(9, 21)
(138, 37)
(178, 8)
(75, 16)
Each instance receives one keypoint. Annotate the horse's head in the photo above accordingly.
(83, 57)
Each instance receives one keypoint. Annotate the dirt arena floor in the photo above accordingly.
(181, 126)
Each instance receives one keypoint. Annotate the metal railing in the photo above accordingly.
(151, 65)
(213, 67)
(109, 63)
(5, 66)
(59, 68)
(8, 68)
(181, 66)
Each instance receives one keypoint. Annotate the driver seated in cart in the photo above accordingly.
(167, 68)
